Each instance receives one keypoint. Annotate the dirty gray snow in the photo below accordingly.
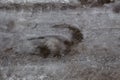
(28, 29)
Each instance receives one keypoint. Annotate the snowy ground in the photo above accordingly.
(34, 1)
(96, 58)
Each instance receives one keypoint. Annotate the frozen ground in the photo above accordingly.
(96, 58)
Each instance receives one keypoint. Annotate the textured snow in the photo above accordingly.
(35, 1)
(96, 58)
